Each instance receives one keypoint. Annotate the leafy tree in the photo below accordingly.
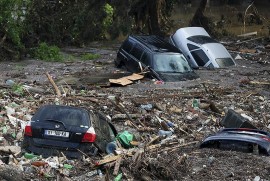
(12, 28)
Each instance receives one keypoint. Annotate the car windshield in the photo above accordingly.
(66, 115)
(200, 39)
(170, 63)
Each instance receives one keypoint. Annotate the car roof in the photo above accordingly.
(190, 31)
(155, 43)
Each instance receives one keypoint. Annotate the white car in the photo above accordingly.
(200, 49)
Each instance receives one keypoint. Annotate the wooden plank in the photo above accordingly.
(122, 81)
(108, 159)
(117, 166)
(134, 77)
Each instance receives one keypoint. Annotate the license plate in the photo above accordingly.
(57, 133)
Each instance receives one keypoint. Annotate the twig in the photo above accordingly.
(125, 112)
(53, 84)
(92, 161)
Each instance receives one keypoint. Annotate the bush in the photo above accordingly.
(48, 53)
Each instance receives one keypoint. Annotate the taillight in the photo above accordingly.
(266, 138)
(89, 136)
(28, 129)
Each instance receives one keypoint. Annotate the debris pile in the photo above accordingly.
(166, 130)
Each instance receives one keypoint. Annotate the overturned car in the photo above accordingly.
(73, 131)
(200, 49)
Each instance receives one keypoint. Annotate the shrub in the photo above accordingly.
(48, 53)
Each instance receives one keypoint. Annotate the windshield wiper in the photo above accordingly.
(57, 121)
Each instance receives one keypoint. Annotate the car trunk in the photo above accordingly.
(47, 131)
(65, 128)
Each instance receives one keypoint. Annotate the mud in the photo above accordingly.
(243, 87)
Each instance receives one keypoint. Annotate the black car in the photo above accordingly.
(151, 53)
(70, 130)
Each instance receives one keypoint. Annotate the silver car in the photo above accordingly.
(200, 49)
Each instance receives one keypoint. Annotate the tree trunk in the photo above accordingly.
(199, 19)
(154, 9)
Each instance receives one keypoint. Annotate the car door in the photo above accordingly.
(135, 56)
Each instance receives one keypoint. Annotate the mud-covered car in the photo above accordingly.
(71, 130)
(200, 49)
(151, 53)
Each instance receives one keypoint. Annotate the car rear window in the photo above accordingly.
(170, 63)
(225, 62)
(68, 115)
(202, 39)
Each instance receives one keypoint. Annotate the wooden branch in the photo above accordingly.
(53, 84)
(117, 166)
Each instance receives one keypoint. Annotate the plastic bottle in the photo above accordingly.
(165, 133)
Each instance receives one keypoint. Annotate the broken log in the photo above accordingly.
(58, 93)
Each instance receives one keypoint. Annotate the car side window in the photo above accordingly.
(192, 47)
(136, 52)
(144, 59)
(200, 57)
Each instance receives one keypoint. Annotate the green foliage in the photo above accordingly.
(109, 16)
(48, 53)
(90, 56)
(18, 89)
(12, 26)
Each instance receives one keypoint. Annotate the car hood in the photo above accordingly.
(175, 77)
(216, 50)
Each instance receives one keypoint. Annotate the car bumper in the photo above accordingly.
(70, 150)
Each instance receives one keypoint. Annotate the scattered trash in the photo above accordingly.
(111, 147)
(234, 120)
(164, 133)
(147, 107)
(238, 57)
(125, 138)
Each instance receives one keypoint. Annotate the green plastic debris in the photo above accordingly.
(31, 156)
(195, 103)
(13, 135)
(125, 138)
(118, 177)
(67, 166)
(46, 175)
(4, 129)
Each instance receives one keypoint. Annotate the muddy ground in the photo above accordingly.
(244, 88)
